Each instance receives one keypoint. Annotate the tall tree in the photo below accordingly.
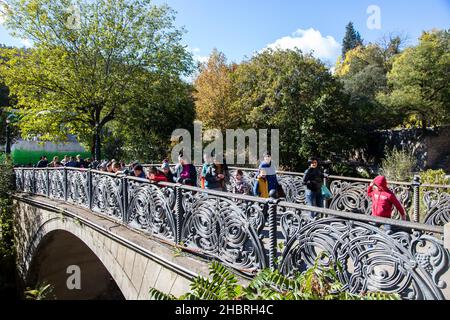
(295, 93)
(6, 102)
(89, 62)
(214, 93)
(363, 73)
(352, 39)
(419, 81)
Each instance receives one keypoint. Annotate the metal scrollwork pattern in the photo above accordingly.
(28, 181)
(372, 259)
(350, 197)
(256, 214)
(56, 186)
(404, 194)
(437, 207)
(40, 177)
(149, 209)
(28, 184)
(19, 180)
(293, 188)
(107, 195)
(219, 228)
(77, 188)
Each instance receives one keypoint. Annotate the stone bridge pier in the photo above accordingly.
(85, 256)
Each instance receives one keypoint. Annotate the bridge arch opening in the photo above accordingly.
(72, 269)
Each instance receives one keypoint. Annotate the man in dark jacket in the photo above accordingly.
(213, 179)
(43, 162)
(313, 180)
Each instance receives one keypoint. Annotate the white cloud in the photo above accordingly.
(201, 59)
(197, 57)
(26, 42)
(310, 40)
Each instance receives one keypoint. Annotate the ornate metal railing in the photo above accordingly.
(250, 233)
(425, 203)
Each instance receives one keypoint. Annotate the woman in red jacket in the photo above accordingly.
(155, 175)
(383, 199)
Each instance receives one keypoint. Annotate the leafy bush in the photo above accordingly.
(431, 177)
(317, 283)
(398, 165)
(342, 169)
(434, 177)
(44, 291)
(7, 252)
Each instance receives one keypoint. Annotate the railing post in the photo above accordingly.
(22, 187)
(178, 213)
(89, 187)
(65, 185)
(124, 200)
(273, 208)
(48, 182)
(447, 236)
(326, 202)
(416, 198)
(33, 182)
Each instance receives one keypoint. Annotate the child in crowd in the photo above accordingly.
(240, 185)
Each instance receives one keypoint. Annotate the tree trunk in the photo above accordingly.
(97, 143)
(424, 124)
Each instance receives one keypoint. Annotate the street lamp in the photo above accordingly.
(8, 142)
(9, 120)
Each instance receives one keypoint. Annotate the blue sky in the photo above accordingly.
(240, 28)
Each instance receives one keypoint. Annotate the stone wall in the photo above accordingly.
(431, 148)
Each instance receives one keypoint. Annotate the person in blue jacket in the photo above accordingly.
(271, 174)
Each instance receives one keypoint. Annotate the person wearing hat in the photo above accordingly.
(270, 172)
(165, 169)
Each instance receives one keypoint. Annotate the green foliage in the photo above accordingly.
(295, 93)
(317, 283)
(43, 292)
(352, 39)
(419, 81)
(78, 79)
(7, 250)
(342, 169)
(437, 177)
(147, 128)
(398, 165)
(363, 74)
(434, 177)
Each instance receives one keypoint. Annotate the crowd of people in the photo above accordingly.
(215, 176)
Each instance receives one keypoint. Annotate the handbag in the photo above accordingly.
(280, 192)
(326, 194)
